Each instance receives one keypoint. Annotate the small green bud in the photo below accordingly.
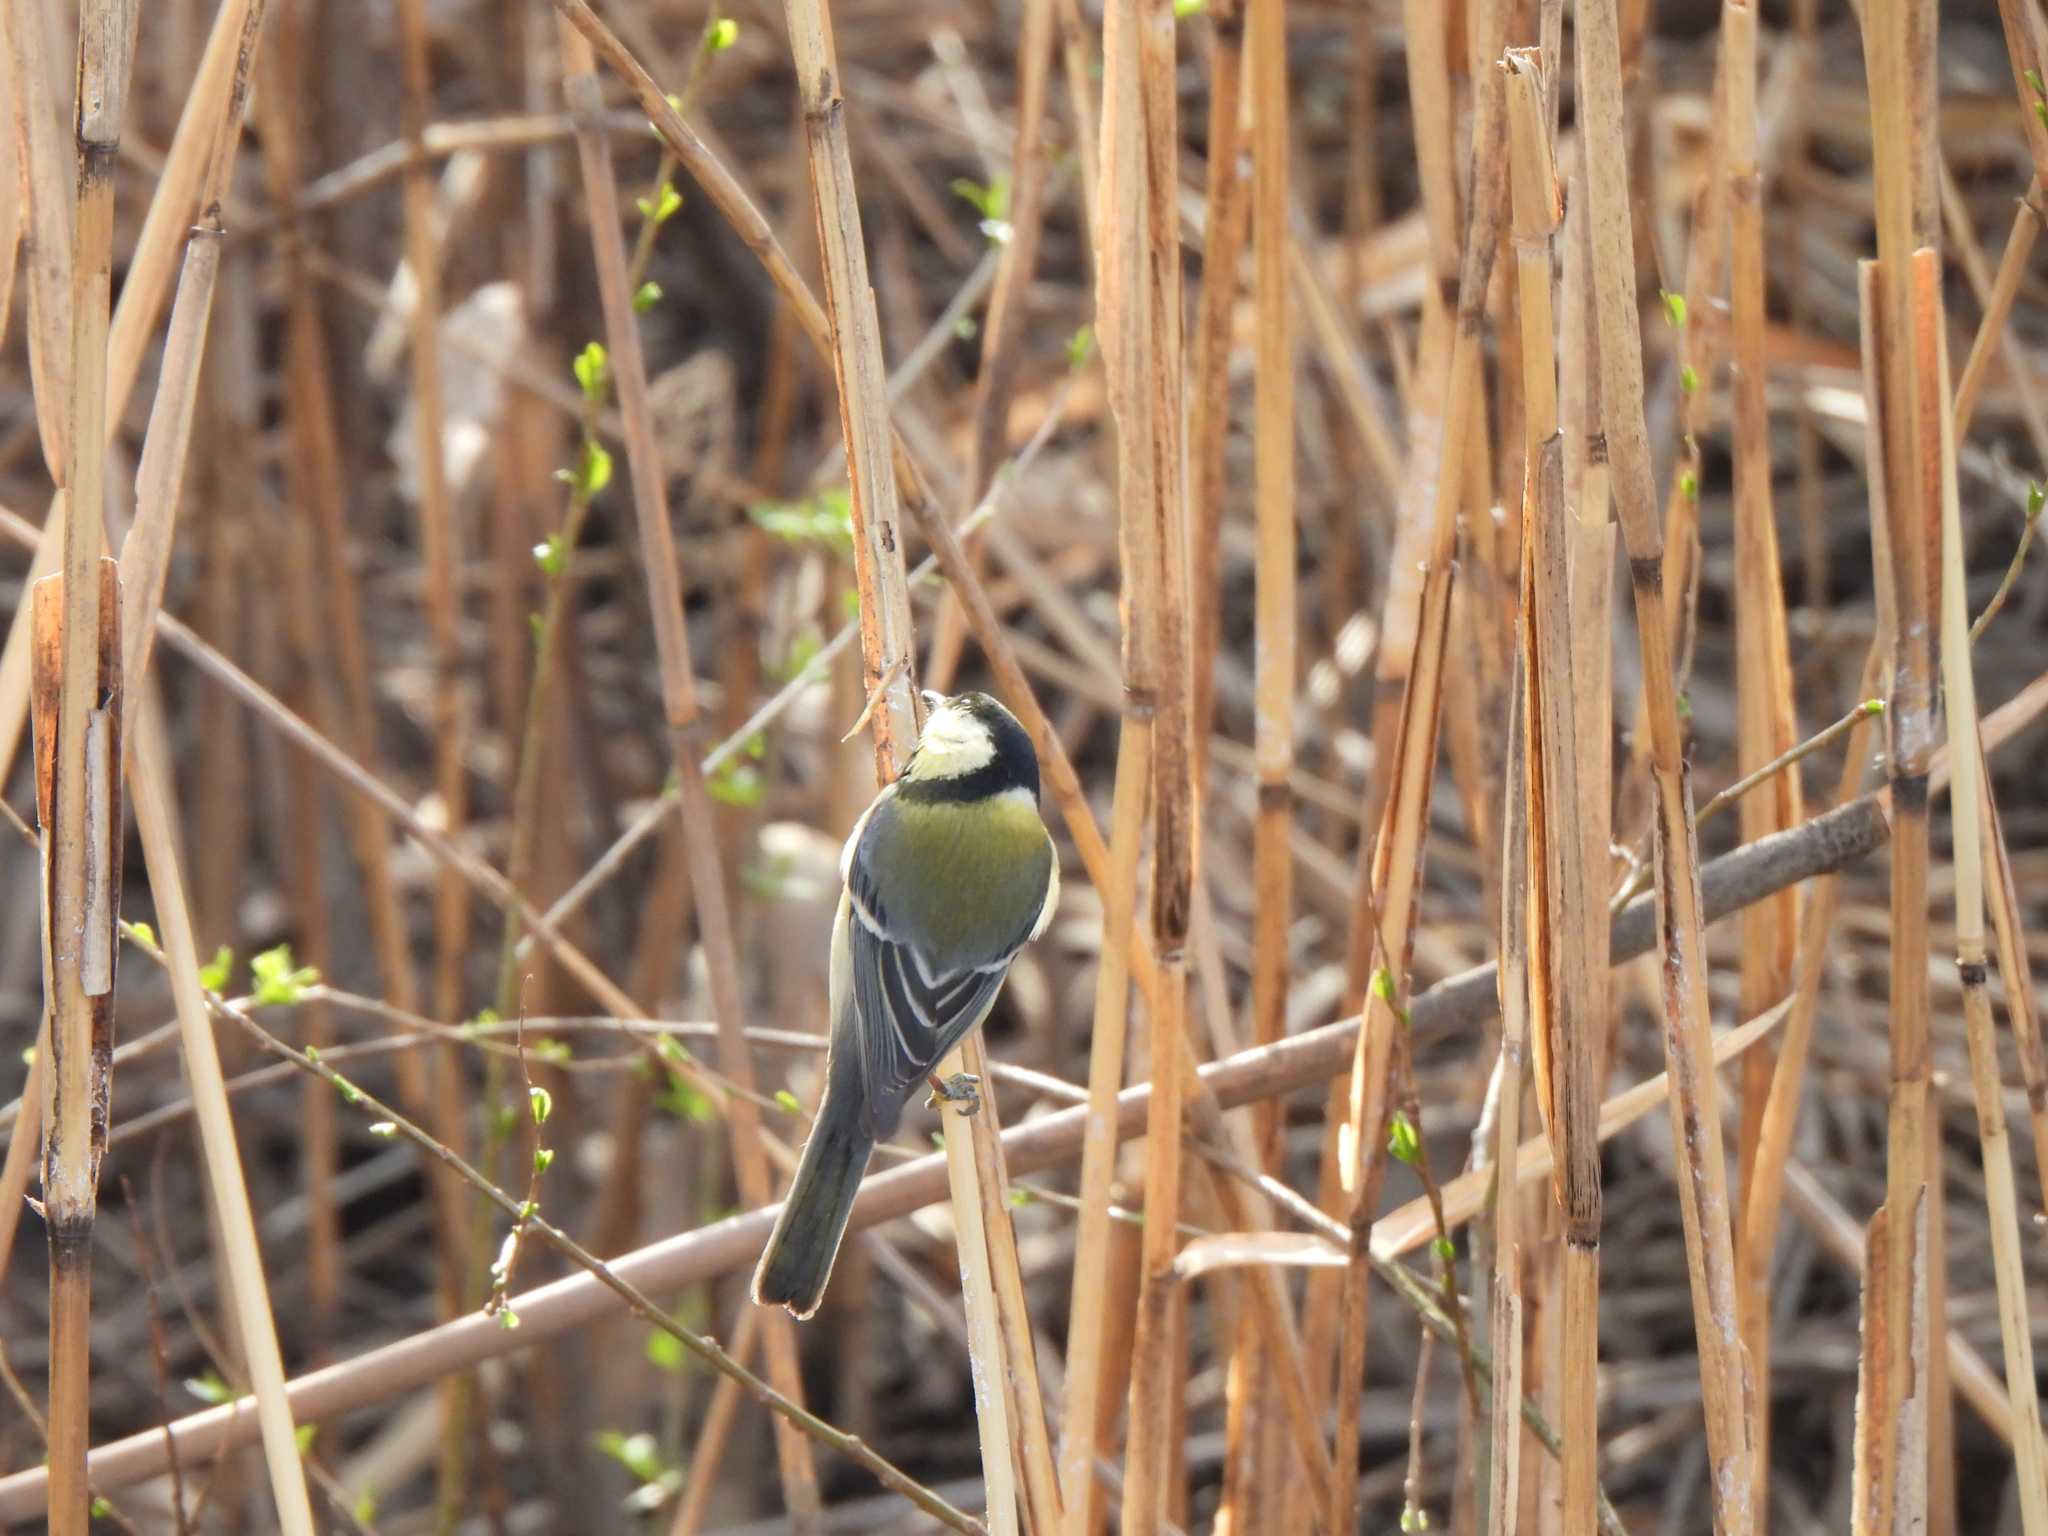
(1081, 347)
(215, 973)
(593, 371)
(144, 934)
(645, 297)
(662, 206)
(541, 1102)
(1446, 1250)
(1402, 1140)
(787, 1102)
(1674, 307)
(1688, 377)
(721, 34)
(543, 1159)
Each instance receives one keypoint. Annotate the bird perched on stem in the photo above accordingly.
(948, 874)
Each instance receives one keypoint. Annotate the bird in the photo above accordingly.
(947, 875)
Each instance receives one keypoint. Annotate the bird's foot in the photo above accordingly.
(959, 1090)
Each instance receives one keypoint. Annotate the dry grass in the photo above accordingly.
(1299, 567)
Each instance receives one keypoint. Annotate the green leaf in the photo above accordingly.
(1182, 9)
(1446, 1250)
(1674, 307)
(593, 372)
(215, 973)
(788, 1102)
(365, 1509)
(507, 1319)
(664, 1350)
(350, 1093)
(1383, 984)
(275, 979)
(1402, 1141)
(1688, 377)
(2036, 496)
(541, 1102)
(687, 1103)
(721, 34)
(99, 1508)
(144, 934)
(2033, 78)
(1689, 486)
(646, 296)
(1020, 1196)
(543, 1159)
(302, 1437)
(549, 1049)
(991, 201)
(1081, 347)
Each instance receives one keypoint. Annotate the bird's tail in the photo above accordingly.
(800, 1252)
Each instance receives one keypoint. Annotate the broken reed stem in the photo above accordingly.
(1081, 1434)
(1695, 1117)
(1143, 287)
(78, 715)
(1968, 817)
(680, 708)
(1765, 725)
(1398, 848)
(1566, 973)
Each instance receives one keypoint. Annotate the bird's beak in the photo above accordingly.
(932, 698)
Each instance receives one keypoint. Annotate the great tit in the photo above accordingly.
(948, 874)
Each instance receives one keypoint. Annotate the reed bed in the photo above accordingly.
(1422, 474)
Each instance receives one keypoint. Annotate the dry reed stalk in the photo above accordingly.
(145, 558)
(1273, 437)
(1897, 61)
(1501, 1460)
(48, 196)
(1995, 303)
(2027, 50)
(1003, 326)
(1695, 1120)
(1765, 725)
(1223, 235)
(1091, 1317)
(77, 666)
(1430, 443)
(1140, 287)
(2013, 969)
(1967, 810)
(681, 711)
(1226, 210)
(1398, 848)
(1561, 707)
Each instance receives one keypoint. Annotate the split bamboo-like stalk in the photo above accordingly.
(1140, 302)
(1967, 810)
(679, 702)
(1765, 727)
(77, 670)
(1898, 39)
(1561, 708)
(1695, 1119)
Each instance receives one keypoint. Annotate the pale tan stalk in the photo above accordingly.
(145, 558)
(1081, 1433)
(1502, 1493)
(680, 706)
(1899, 549)
(1765, 726)
(2013, 969)
(1566, 976)
(1695, 1118)
(1397, 850)
(1140, 284)
(48, 199)
(78, 684)
(1995, 301)
(1967, 810)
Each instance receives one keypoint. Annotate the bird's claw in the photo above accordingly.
(959, 1090)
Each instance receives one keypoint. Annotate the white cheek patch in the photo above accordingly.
(952, 745)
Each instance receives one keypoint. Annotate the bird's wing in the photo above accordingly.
(918, 989)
